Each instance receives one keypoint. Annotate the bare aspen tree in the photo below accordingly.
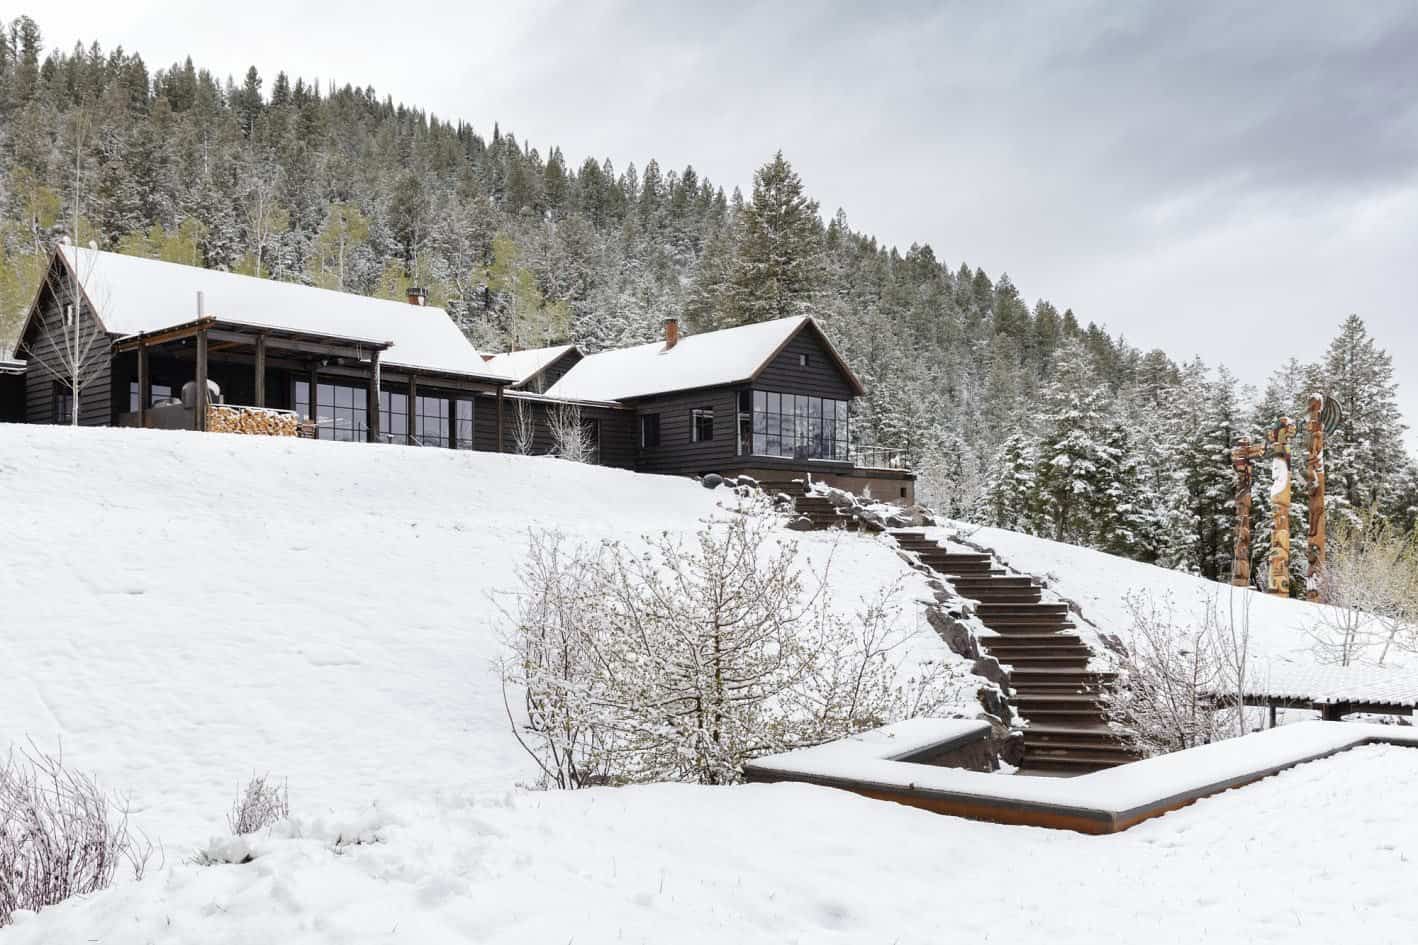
(70, 348)
(571, 438)
(264, 217)
(524, 427)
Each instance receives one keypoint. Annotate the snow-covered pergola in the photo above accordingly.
(1332, 691)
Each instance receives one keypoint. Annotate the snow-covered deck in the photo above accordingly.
(1106, 801)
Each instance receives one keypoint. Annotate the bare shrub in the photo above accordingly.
(1171, 675)
(681, 660)
(261, 804)
(60, 834)
(572, 439)
(1370, 581)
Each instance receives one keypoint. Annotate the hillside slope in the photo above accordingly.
(181, 610)
(1282, 631)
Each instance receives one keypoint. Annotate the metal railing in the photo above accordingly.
(879, 457)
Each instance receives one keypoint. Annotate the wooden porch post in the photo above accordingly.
(500, 445)
(199, 418)
(313, 408)
(412, 408)
(145, 384)
(260, 370)
(375, 383)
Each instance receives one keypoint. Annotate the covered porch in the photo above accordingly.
(209, 372)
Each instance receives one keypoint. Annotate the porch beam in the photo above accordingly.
(189, 330)
(324, 349)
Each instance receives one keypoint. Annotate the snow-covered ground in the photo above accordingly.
(1308, 856)
(180, 610)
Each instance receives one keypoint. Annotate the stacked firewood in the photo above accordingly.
(256, 421)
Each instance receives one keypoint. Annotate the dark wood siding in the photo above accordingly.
(38, 348)
(821, 377)
(676, 452)
(553, 372)
(617, 444)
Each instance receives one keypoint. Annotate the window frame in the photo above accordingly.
(697, 415)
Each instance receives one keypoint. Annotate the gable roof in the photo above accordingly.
(132, 295)
(522, 366)
(715, 358)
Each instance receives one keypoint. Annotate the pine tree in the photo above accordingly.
(1365, 456)
(778, 267)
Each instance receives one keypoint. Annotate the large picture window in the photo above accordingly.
(797, 426)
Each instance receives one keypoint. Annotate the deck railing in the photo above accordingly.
(879, 457)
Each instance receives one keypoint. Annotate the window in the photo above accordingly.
(394, 416)
(341, 411)
(431, 421)
(649, 430)
(803, 360)
(701, 425)
(63, 404)
(463, 428)
(797, 426)
(160, 393)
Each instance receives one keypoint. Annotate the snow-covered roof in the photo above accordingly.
(728, 356)
(1370, 685)
(133, 295)
(522, 366)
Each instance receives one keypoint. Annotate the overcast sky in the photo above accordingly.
(1228, 183)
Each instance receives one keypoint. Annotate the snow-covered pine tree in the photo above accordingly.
(778, 269)
(1365, 456)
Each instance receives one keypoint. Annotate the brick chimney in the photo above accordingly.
(671, 333)
(416, 296)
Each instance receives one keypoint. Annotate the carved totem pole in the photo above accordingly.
(1323, 416)
(1242, 457)
(1314, 474)
(1279, 438)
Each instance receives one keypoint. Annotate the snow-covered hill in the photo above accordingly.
(183, 610)
(1282, 631)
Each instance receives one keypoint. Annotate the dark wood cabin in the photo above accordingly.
(158, 341)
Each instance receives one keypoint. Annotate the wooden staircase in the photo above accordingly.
(1052, 687)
